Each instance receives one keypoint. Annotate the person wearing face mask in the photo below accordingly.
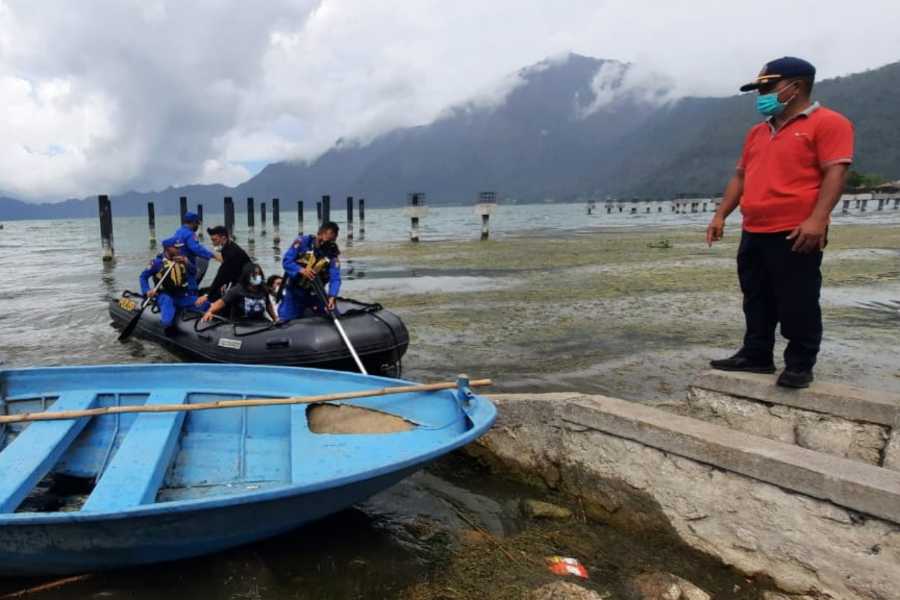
(311, 257)
(195, 252)
(178, 287)
(248, 300)
(234, 259)
(790, 176)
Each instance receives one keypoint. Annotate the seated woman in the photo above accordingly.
(249, 299)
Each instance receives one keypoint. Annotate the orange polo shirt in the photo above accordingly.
(783, 168)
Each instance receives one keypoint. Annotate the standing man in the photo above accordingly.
(191, 247)
(233, 260)
(311, 257)
(790, 176)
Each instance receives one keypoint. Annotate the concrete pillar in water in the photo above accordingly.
(200, 214)
(864, 204)
(326, 208)
(276, 220)
(151, 222)
(300, 217)
(704, 207)
(349, 218)
(319, 212)
(415, 210)
(362, 218)
(262, 218)
(229, 216)
(896, 203)
(182, 208)
(880, 203)
(106, 227)
(846, 207)
(487, 204)
(251, 218)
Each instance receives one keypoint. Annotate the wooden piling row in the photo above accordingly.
(276, 220)
(299, 217)
(151, 223)
(229, 216)
(349, 218)
(262, 218)
(182, 208)
(362, 218)
(326, 209)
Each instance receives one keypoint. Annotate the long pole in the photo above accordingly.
(349, 218)
(106, 227)
(151, 222)
(300, 217)
(276, 219)
(158, 408)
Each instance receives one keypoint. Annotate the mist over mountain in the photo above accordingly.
(569, 129)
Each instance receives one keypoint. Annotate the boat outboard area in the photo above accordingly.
(379, 337)
(114, 466)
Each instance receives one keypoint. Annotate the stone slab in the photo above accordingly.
(855, 404)
(847, 483)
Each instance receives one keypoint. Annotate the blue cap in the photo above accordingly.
(787, 67)
(190, 217)
(172, 242)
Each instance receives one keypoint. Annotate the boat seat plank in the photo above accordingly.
(35, 451)
(136, 471)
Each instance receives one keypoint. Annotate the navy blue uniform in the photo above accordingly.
(298, 298)
(175, 294)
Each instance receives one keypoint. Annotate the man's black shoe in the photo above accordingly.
(742, 363)
(795, 379)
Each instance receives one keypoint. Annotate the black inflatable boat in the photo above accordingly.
(379, 336)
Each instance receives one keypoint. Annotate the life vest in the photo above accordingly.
(318, 263)
(177, 280)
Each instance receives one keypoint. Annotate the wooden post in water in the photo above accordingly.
(151, 222)
(229, 216)
(415, 211)
(276, 220)
(200, 214)
(319, 212)
(182, 208)
(251, 218)
(326, 209)
(300, 217)
(349, 218)
(362, 218)
(262, 218)
(106, 227)
(487, 204)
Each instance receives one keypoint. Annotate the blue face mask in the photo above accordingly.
(769, 105)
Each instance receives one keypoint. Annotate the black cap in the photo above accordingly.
(787, 67)
(217, 230)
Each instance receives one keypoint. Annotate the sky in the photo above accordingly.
(105, 96)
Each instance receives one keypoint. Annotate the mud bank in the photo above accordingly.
(611, 312)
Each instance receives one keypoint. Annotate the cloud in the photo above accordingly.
(110, 95)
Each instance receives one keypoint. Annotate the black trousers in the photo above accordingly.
(780, 286)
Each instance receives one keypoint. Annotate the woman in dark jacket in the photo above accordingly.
(248, 300)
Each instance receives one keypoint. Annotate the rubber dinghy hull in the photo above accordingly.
(102, 492)
(379, 336)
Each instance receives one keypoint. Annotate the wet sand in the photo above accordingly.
(630, 314)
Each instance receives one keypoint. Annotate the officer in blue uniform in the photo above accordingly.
(191, 246)
(309, 257)
(178, 289)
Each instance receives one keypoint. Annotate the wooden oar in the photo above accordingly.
(129, 329)
(155, 408)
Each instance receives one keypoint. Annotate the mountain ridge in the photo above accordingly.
(541, 143)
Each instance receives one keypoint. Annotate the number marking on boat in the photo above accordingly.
(229, 343)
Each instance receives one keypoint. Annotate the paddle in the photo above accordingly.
(157, 408)
(320, 292)
(129, 329)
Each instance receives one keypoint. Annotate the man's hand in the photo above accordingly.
(308, 273)
(207, 316)
(180, 259)
(331, 303)
(217, 256)
(809, 236)
(151, 293)
(715, 230)
(201, 300)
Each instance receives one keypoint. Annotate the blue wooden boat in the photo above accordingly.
(101, 492)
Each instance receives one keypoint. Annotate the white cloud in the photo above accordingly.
(107, 95)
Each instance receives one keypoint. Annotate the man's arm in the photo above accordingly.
(200, 250)
(146, 274)
(730, 201)
(289, 262)
(334, 278)
(809, 236)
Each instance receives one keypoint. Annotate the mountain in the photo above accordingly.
(571, 129)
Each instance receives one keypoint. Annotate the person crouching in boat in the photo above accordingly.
(248, 300)
(308, 258)
(179, 286)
